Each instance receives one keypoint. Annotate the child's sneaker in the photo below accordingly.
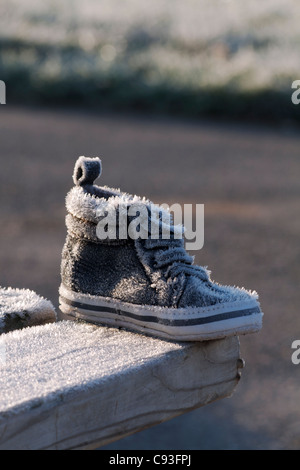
(142, 283)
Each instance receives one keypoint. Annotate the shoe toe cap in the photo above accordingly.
(204, 294)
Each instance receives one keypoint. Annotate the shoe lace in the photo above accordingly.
(171, 257)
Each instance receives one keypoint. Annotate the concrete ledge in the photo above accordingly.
(72, 385)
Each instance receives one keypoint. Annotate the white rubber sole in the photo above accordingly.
(179, 324)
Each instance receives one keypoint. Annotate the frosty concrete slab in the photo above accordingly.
(72, 385)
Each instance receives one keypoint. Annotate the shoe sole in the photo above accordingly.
(179, 324)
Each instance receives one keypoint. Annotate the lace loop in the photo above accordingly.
(191, 270)
(171, 255)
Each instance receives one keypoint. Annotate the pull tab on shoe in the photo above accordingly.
(86, 170)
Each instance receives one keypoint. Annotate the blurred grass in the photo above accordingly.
(212, 58)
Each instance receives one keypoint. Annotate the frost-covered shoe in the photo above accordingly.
(145, 284)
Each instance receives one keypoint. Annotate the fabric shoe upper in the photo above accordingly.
(173, 277)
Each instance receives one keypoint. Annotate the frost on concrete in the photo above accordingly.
(44, 362)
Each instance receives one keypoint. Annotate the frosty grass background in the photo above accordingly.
(191, 57)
